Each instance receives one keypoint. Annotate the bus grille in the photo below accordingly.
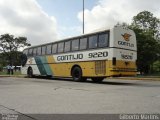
(100, 67)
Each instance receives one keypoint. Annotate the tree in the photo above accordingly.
(147, 29)
(147, 22)
(10, 45)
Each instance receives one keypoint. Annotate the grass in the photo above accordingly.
(5, 73)
(157, 75)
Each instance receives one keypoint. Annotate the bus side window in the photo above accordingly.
(49, 49)
(39, 51)
(60, 47)
(34, 51)
(103, 40)
(93, 41)
(54, 48)
(30, 52)
(75, 45)
(43, 50)
(67, 47)
(83, 43)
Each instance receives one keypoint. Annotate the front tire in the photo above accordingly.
(77, 75)
(30, 72)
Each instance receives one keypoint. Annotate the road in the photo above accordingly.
(48, 96)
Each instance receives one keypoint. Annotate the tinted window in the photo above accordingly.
(49, 49)
(67, 46)
(83, 43)
(93, 41)
(30, 52)
(39, 51)
(54, 48)
(60, 47)
(43, 50)
(35, 51)
(75, 45)
(103, 40)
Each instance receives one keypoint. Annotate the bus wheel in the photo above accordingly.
(30, 72)
(97, 79)
(77, 74)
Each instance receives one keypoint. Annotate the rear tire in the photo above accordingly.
(30, 72)
(97, 79)
(77, 75)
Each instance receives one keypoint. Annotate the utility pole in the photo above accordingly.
(83, 16)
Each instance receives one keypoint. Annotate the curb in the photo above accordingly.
(136, 78)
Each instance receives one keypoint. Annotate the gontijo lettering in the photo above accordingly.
(125, 44)
(126, 37)
(70, 57)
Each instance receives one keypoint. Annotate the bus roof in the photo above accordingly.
(69, 38)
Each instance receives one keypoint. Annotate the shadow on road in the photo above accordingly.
(110, 82)
(90, 81)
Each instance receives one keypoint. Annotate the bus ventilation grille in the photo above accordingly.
(100, 67)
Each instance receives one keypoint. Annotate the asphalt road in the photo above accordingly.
(35, 96)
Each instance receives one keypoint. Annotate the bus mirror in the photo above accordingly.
(23, 59)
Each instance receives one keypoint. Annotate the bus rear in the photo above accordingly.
(123, 52)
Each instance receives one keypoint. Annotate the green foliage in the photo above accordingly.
(156, 66)
(1, 67)
(9, 43)
(147, 31)
(9, 47)
(147, 22)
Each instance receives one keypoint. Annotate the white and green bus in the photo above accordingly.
(95, 55)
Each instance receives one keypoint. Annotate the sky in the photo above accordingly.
(43, 21)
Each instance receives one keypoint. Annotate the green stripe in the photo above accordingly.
(46, 66)
(40, 65)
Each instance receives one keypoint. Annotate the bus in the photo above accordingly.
(106, 53)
